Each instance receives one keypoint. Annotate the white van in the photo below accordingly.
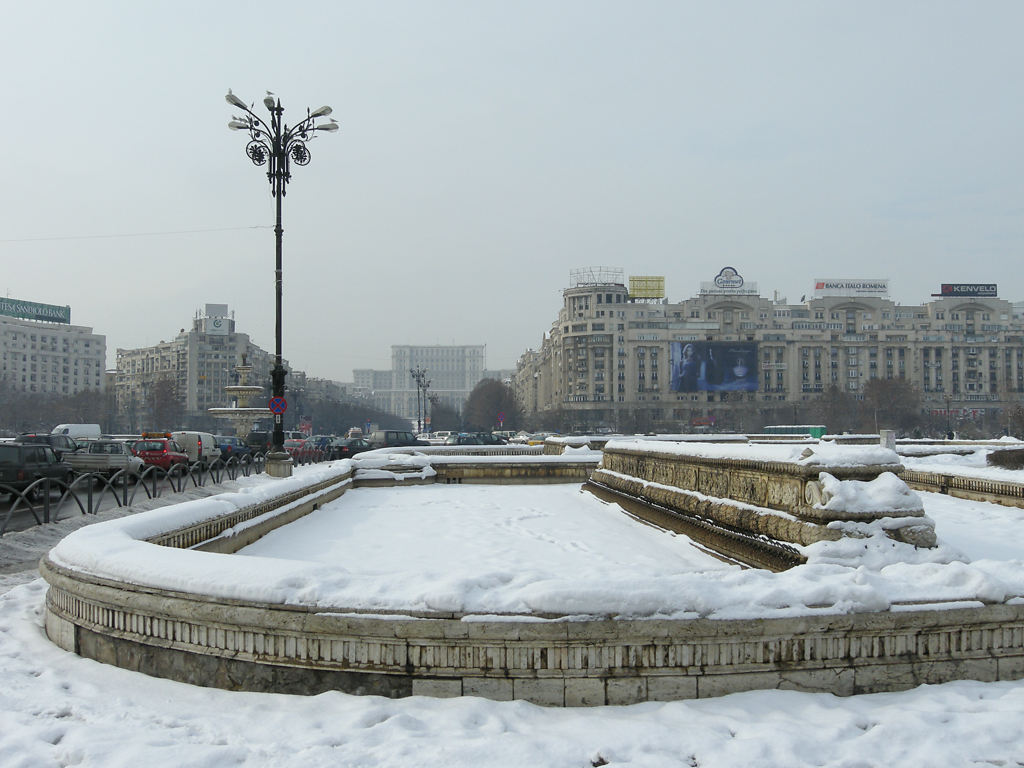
(200, 446)
(78, 431)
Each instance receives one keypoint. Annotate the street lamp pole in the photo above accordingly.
(277, 146)
(419, 375)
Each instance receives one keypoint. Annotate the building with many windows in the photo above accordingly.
(198, 362)
(453, 372)
(40, 351)
(624, 358)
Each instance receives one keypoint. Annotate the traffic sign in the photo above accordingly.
(277, 405)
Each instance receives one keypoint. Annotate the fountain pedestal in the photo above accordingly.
(243, 417)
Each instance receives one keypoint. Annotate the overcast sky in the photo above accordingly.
(488, 148)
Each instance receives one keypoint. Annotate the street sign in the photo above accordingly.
(277, 405)
(501, 418)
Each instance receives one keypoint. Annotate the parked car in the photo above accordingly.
(161, 452)
(262, 442)
(231, 446)
(322, 442)
(299, 450)
(21, 464)
(78, 431)
(60, 444)
(200, 446)
(463, 438)
(390, 438)
(347, 447)
(489, 438)
(105, 457)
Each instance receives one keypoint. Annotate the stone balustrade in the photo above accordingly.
(242, 645)
(788, 500)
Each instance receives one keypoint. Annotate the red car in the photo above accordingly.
(300, 450)
(160, 452)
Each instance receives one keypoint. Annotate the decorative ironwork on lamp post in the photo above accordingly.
(277, 146)
(419, 375)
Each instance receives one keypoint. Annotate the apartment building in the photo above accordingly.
(40, 351)
(199, 361)
(619, 355)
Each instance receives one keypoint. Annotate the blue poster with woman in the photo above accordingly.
(713, 366)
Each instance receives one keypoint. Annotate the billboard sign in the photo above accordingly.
(729, 281)
(216, 326)
(30, 310)
(829, 287)
(976, 290)
(646, 287)
(713, 366)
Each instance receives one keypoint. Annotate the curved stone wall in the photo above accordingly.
(270, 647)
(261, 646)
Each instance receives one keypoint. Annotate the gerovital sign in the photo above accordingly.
(30, 310)
(729, 281)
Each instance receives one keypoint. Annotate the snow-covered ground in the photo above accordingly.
(59, 709)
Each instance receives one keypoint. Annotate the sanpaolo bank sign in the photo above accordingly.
(30, 310)
(830, 287)
(977, 290)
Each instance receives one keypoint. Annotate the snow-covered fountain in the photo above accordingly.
(865, 600)
(239, 413)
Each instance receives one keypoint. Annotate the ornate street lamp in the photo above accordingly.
(277, 146)
(419, 375)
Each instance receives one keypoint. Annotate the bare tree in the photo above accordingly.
(443, 416)
(891, 404)
(837, 410)
(165, 404)
(489, 399)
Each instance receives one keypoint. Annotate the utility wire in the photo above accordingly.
(132, 234)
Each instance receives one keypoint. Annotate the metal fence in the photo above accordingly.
(88, 493)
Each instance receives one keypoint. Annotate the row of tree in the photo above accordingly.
(163, 409)
(32, 412)
(882, 404)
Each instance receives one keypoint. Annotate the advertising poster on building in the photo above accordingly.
(713, 366)
(984, 290)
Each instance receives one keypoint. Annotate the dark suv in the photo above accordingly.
(21, 464)
(392, 438)
(259, 442)
(61, 444)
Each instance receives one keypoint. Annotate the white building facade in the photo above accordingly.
(453, 371)
(621, 358)
(40, 351)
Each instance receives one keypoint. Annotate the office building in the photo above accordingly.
(453, 371)
(42, 352)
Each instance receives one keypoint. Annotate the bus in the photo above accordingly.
(810, 430)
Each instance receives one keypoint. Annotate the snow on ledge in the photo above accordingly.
(868, 573)
(824, 453)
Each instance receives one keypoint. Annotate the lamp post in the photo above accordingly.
(419, 375)
(277, 146)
